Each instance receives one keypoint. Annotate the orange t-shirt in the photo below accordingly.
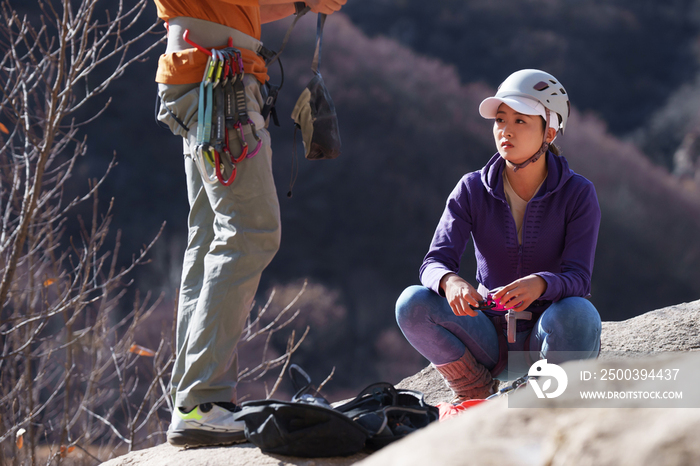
(187, 66)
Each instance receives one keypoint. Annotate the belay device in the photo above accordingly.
(308, 426)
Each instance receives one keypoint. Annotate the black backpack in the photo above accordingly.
(308, 426)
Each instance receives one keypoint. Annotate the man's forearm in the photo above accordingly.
(272, 10)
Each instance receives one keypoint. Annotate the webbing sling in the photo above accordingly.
(272, 89)
(204, 114)
(316, 63)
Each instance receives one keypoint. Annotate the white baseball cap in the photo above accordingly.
(519, 103)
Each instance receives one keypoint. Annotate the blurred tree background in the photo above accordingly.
(407, 77)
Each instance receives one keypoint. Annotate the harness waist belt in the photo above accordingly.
(207, 34)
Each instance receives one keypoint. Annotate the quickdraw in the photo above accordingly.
(516, 384)
(488, 304)
(448, 410)
(496, 310)
(222, 107)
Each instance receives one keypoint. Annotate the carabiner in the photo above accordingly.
(238, 60)
(206, 70)
(244, 144)
(201, 165)
(257, 138)
(227, 150)
(210, 69)
(219, 167)
(241, 71)
(488, 304)
(233, 75)
(227, 66)
(220, 67)
(214, 74)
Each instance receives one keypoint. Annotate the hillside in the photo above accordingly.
(359, 226)
(362, 223)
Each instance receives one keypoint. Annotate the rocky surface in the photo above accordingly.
(243, 454)
(563, 432)
(675, 328)
(558, 434)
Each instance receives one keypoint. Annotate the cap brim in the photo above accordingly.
(489, 107)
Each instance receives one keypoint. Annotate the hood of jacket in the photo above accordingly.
(558, 173)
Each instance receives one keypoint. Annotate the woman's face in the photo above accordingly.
(518, 136)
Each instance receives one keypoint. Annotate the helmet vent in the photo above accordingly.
(540, 86)
(561, 89)
(552, 81)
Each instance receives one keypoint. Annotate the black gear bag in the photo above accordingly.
(308, 426)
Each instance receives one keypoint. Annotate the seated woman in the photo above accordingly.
(534, 223)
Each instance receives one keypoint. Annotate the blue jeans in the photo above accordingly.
(428, 323)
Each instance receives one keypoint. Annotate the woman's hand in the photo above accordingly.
(460, 295)
(521, 293)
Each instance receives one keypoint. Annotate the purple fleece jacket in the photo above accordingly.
(560, 231)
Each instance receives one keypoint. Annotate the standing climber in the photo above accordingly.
(233, 230)
(534, 223)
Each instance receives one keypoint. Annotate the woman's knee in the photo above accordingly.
(572, 311)
(414, 301)
(574, 322)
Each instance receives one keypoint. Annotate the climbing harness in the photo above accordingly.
(508, 320)
(222, 107)
(222, 104)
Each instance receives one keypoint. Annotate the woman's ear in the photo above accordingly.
(551, 134)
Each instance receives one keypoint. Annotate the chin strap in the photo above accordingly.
(543, 147)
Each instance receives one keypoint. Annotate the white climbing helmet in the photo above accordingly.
(524, 85)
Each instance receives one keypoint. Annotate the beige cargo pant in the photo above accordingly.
(233, 234)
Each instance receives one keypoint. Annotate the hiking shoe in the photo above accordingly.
(208, 424)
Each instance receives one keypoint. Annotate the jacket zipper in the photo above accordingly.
(520, 261)
(520, 246)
